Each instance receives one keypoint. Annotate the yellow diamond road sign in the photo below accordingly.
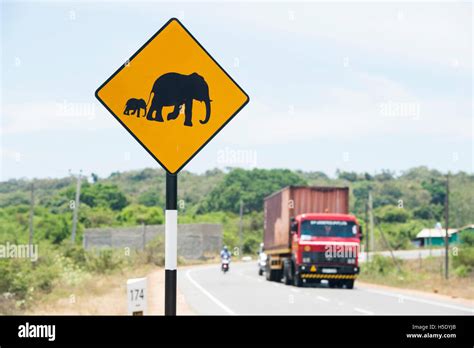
(172, 96)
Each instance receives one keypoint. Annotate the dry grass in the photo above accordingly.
(106, 295)
(425, 275)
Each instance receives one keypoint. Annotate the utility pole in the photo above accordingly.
(366, 220)
(241, 227)
(446, 237)
(32, 213)
(394, 259)
(371, 223)
(76, 207)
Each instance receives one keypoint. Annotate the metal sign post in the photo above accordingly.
(171, 243)
(147, 94)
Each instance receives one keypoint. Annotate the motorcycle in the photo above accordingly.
(225, 265)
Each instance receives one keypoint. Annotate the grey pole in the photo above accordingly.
(241, 227)
(371, 223)
(32, 213)
(171, 243)
(76, 208)
(446, 237)
(367, 238)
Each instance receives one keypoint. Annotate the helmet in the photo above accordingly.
(225, 247)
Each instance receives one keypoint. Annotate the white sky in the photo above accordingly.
(356, 86)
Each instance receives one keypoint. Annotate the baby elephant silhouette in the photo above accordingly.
(134, 105)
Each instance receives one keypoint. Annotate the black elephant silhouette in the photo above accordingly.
(134, 105)
(173, 89)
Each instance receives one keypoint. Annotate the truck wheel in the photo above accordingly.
(272, 275)
(277, 274)
(297, 280)
(350, 284)
(268, 271)
(268, 274)
(286, 273)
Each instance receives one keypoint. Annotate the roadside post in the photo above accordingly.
(171, 243)
(173, 98)
(137, 296)
(446, 236)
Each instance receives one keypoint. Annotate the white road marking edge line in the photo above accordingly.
(410, 298)
(363, 311)
(209, 295)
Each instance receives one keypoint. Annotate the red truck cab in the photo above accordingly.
(325, 246)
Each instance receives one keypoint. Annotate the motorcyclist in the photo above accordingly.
(225, 253)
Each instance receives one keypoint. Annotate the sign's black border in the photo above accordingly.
(130, 60)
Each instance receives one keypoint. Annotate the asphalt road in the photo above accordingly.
(241, 291)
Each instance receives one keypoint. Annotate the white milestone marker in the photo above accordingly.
(137, 296)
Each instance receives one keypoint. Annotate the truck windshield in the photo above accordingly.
(326, 228)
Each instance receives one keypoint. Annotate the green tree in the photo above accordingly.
(52, 227)
(97, 216)
(437, 188)
(349, 176)
(103, 195)
(385, 175)
(391, 213)
(95, 177)
(139, 214)
(250, 186)
(151, 198)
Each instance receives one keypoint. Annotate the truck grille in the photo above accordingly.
(321, 258)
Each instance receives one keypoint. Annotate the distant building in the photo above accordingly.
(435, 236)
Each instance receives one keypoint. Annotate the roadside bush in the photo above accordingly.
(467, 238)
(400, 235)
(7, 304)
(251, 244)
(44, 277)
(103, 260)
(380, 265)
(75, 253)
(462, 271)
(52, 227)
(465, 257)
(23, 278)
(154, 252)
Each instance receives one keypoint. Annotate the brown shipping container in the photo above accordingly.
(281, 206)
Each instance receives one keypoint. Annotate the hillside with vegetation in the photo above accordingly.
(403, 205)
